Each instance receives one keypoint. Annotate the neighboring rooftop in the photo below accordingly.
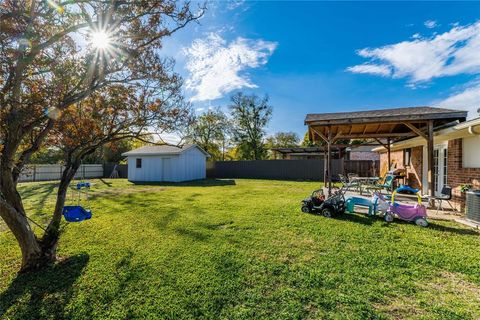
(161, 150)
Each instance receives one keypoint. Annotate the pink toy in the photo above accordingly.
(416, 213)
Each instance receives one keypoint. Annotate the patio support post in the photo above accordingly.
(430, 175)
(329, 155)
(324, 167)
(389, 155)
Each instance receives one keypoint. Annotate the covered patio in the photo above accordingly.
(382, 127)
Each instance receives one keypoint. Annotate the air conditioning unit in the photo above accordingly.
(473, 205)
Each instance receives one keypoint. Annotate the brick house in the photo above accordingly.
(456, 159)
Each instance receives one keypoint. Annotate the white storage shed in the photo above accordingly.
(166, 163)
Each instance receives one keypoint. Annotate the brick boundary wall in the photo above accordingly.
(458, 175)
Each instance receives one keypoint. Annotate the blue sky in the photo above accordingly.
(313, 57)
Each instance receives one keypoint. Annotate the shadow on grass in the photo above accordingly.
(108, 184)
(357, 218)
(33, 188)
(163, 222)
(192, 234)
(353, 217)
(194, 183)
(460, 231)
(44, 293)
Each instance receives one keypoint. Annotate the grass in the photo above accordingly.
(226, 249)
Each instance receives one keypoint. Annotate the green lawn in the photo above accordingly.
(239, 249)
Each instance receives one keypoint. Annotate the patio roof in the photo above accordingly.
(302, 150)
(394, 123)
(385, 126)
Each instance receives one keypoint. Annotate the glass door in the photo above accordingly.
(440, 167)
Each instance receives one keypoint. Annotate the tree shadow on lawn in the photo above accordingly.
(192, 234)
(194, 183)
(108, 184)
(46, 291)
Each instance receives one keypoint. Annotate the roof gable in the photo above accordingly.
(157, 150)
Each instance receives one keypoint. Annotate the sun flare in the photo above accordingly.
(100, 40)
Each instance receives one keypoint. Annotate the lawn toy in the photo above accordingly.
(380, 203)
(77, 213)
(351, 202)
(318, 203)
(416, 213)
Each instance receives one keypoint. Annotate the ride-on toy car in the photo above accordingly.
(416, 213)
(318, 203)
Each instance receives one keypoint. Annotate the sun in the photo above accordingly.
(100, 40)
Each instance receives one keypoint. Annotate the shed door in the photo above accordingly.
(166, 169)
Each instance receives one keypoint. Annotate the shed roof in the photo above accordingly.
(159, 150)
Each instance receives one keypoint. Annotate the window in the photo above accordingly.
(445, 166)
(471, 152)
(139, 162)
(407, 157)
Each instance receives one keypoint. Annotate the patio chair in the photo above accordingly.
(445, 195)
(352, 182)
(387, 184)
(343, 180)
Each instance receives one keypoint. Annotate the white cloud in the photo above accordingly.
(232, 5)
(217, 67)
(468, 99)
(381, 70)
(420, 60)
(199, 109)
(430, 24)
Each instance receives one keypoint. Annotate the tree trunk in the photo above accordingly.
(49, 241)
(36, 253)
(32, 257)
(13, 213)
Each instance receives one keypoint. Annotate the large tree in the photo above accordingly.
(250, 115)
(78, 72)
(210, 132)
(281, 140)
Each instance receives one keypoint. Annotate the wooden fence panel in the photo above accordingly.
(287, 169)
(46, 172)
(364, 168)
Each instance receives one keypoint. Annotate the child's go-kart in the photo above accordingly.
(318, 203)
(416, 213)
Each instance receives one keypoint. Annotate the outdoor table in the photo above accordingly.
(361, 181)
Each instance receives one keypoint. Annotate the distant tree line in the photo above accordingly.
(240, 133)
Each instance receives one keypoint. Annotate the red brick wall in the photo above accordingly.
(457, 174)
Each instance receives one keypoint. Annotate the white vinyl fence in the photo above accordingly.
(44, 172)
